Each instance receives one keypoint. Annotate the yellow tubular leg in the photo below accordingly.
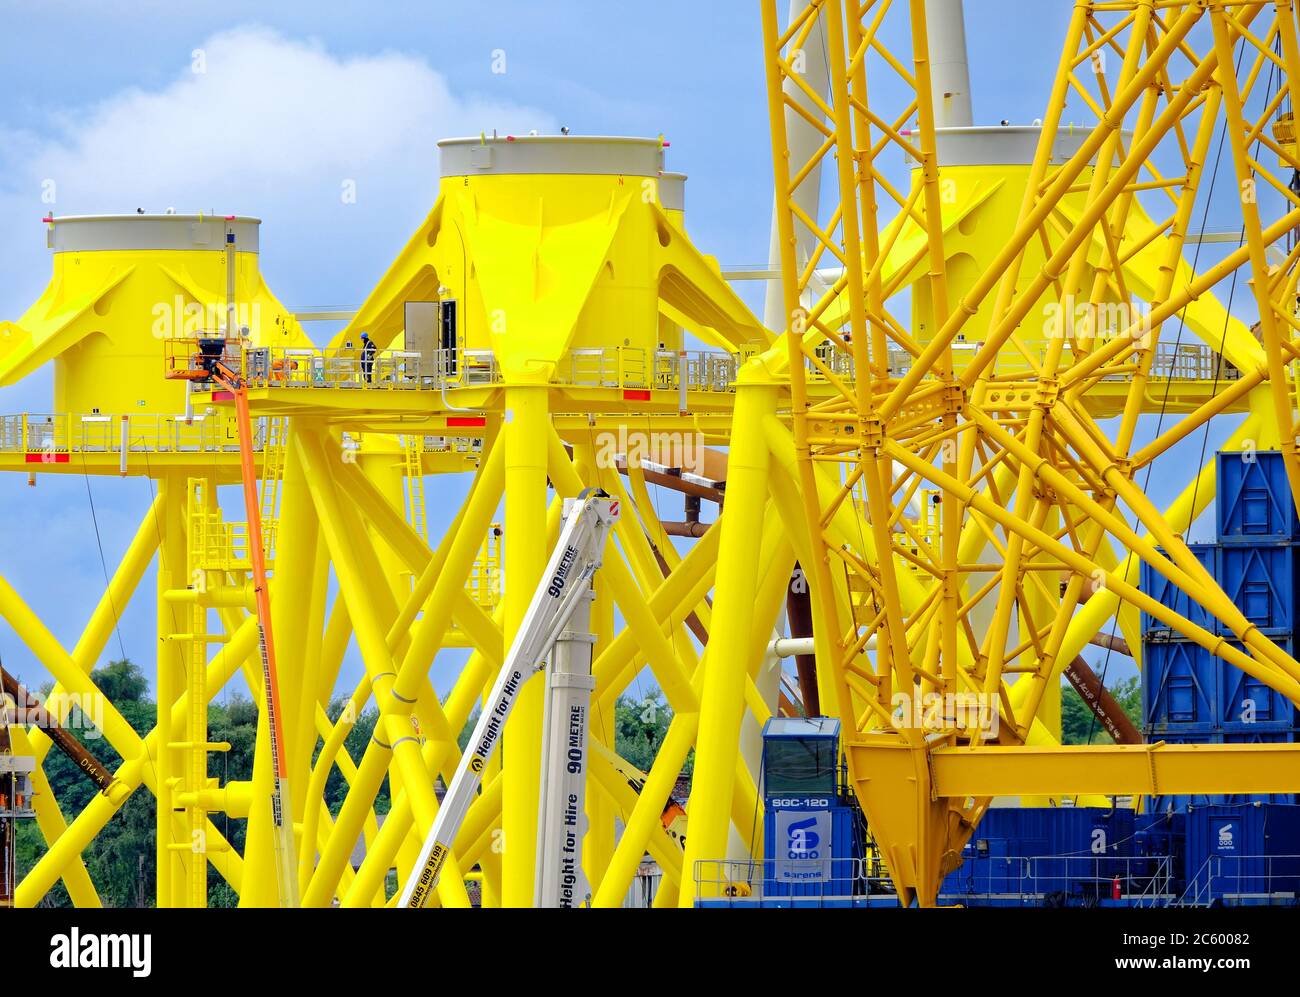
(725, 670)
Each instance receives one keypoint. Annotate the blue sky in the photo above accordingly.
(296, 98)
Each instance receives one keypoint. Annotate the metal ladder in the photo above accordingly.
(275, 435)
(484, 583)
(415, 509)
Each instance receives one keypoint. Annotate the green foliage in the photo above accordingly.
(1079, 726)
(358, 739)
(121, 682)
(1128, 693)
(640, 726)
(121, 858)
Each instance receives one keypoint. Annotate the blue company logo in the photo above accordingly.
(803, 839)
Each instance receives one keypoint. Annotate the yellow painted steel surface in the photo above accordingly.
(950, 434)
(1054, 323)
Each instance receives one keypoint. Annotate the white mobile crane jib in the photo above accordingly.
(555, 627)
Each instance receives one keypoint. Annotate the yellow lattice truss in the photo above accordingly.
(1040, 338)
(950, 432)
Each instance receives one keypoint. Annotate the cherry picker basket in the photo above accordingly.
(194, 358)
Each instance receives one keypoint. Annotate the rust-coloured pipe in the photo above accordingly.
(677, 484)
(32, 713)
(798, 611)
(1112, 643)
(686, 529)
(1098, 699)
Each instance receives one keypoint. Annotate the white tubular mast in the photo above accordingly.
(561, 813)
(564, 591)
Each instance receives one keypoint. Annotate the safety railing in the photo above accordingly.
(1176, 362)
(596, 367)
(484, 583)
(224, 544)
(1141, 881)
(65, 433)
(284, 367)
(1145, 879)
(1245, 880)
(809, 882)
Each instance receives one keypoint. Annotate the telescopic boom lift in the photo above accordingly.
(557, 627)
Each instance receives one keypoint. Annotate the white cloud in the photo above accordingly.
(270, 126)
(263, 108)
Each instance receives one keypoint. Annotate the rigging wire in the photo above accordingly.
(103, 562)
(1164, 400)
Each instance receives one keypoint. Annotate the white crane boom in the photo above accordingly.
(564, 591)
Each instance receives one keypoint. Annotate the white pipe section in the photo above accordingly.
(788, 647)
(949, 72)
(803, 140)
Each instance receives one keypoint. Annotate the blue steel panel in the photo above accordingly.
(1254, 498)
(844, 865)
(1260, 579)
(1248, 706)
(1243, 854)
(1179, 686)
(1167, 593)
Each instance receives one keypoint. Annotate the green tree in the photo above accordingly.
(1128, 693)
(120, 860)
(1079, 726)
(640, 726)
(121, 682)
(358, 739)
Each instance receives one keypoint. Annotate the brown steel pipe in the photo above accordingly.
(1098, 699)
(31, 712)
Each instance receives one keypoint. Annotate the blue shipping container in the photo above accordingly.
(1180, 687)
(1248, 705)
(1187, 690)
(1254, 498)
(1243, 854)
(1160, 588)
(1026, 854)
(1260, 579)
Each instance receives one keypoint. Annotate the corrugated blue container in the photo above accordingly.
(1248, 706)
(1160, 588)
(1023, 854)
(1254, 498)
(1188, 691)
(1180, 687)
(1243, 854)
(1261, 580)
